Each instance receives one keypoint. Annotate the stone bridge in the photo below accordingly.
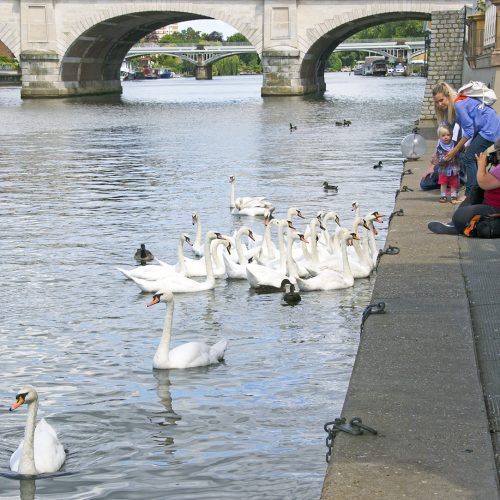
(76, 47)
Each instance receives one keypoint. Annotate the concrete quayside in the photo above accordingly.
(427, 371)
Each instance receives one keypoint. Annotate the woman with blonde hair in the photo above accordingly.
(443, 106)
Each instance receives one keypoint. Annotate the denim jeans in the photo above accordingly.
(478, 145)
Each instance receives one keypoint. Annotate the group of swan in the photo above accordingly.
(330, 260)
(41, 451)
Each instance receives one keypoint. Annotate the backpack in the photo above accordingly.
(478, 90)
(484, 226)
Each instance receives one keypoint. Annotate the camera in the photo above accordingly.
(492, 158)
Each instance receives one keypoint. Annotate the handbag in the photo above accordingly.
(483, 226)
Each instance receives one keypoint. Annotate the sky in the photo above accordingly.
(207, 26)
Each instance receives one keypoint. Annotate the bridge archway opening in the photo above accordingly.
(97, 54)
(315, 61)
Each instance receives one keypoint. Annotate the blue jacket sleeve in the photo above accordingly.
(464, 119)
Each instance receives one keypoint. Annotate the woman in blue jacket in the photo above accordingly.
(480, 125)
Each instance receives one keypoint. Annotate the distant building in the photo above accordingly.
(167, 30)
(4, 51)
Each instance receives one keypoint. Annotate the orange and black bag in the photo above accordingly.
(483, 226)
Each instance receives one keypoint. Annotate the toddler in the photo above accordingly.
(447, 170)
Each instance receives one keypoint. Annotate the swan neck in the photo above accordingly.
(209, 261)
(180, 257)
(197, 240)
(239, 250)
(163, 350)
(281, 246)
(268, 241)
(233, 204)
(27, 461)
(290, 263)
(346, 268)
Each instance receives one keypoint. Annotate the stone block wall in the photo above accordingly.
(446, 60)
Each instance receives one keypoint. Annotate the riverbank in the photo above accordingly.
(416, 377)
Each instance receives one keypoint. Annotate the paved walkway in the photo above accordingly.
(416, 377)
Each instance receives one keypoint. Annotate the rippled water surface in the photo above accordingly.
(84, 182)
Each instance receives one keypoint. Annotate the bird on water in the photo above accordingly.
(290, 297)
(378, 165)
(143, 255)
(293, 127)
(330, 187)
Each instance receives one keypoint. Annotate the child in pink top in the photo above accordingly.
(447, 170)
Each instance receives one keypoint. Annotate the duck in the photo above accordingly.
(378, 165)
(40, 451)
(293, 127)
(188, 355)
(330, 187)
(143, 255)
(290, 297)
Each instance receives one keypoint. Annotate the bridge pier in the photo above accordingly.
(203, 72)
(281, 73)
(41, 77)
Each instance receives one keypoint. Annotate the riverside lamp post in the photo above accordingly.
(427, 48)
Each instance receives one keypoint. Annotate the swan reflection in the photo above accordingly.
(27, 488)
(169, 417)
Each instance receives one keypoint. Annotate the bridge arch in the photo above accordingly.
(11, 39)
(95, 46)
(312, 68)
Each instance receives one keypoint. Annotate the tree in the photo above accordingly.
(215, 36)
(396, 29)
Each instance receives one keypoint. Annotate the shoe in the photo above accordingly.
(443, 199)
(441, 228)
(464, 202)
(454, 200)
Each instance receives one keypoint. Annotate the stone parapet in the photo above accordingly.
(446, 58)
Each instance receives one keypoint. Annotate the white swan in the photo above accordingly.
(164, 269)
(182, 284)
(253, 206)
(238, 270)
(370, 218)
(189, 355)
(246, 201)
(40, 451)
(329, 279)
(198, 247)
(262, 278)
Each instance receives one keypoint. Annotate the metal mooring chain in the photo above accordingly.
(378, 308)
(354, 427)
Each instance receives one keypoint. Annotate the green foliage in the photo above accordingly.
(334, 62)
(9, 61)
(396, 29)
(188, 35)
(227, 66)
(233, 65)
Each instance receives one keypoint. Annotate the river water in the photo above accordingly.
(84, 182)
